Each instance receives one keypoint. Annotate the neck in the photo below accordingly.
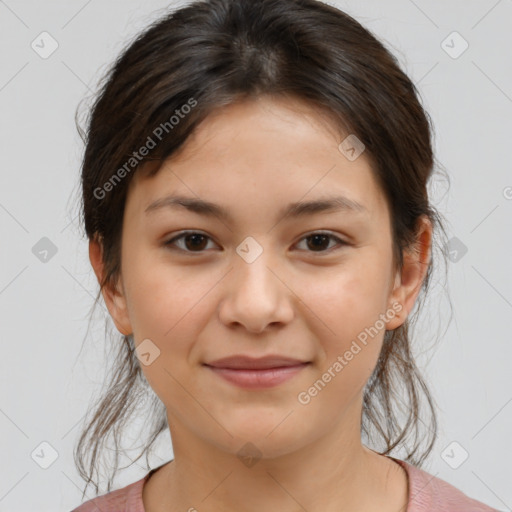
(333, 472)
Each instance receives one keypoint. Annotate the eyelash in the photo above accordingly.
(182, 235)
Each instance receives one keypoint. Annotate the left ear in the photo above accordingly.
(414, 269)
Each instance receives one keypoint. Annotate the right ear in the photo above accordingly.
(115, 299)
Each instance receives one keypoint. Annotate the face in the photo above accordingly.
(316, 285)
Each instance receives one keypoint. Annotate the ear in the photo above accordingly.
(409, 280)
(114, 297)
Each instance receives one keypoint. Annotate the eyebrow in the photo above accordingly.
(299, 209)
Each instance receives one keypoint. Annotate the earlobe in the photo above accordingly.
(113, 295)
(396, 310)
(409, 280)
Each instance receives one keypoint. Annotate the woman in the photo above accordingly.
(255, 196)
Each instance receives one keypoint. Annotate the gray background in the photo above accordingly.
(46, 383)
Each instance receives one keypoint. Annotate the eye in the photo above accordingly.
(318, 240)
(194, 241)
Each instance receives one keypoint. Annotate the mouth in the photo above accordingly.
(242, 362)
(251, 373)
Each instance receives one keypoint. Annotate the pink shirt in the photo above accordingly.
(427, 493)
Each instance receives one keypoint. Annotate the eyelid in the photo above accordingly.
(182, 234)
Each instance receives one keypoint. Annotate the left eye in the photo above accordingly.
(319, 238)
(195, 240)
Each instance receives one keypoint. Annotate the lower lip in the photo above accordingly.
(258, 379)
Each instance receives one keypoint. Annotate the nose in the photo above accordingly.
(256, 295)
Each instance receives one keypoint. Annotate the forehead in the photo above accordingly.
(263, 151)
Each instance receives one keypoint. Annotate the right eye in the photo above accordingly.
(191, 240)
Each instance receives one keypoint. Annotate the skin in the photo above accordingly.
(296, 299)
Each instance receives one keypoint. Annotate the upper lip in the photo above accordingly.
(242, 362)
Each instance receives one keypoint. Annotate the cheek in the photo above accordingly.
(166, 307)
(170, 307)
(163, 297)
(349, 303)
(349, 297)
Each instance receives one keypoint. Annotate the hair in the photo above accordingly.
(209, 54)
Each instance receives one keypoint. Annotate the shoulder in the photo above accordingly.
(126, 499)
(428, 493)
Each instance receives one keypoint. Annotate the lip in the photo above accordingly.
(261, 373)
(241, 362)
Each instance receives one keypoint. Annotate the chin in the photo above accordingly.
(264, 440)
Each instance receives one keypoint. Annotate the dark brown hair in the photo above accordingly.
(212, 53)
